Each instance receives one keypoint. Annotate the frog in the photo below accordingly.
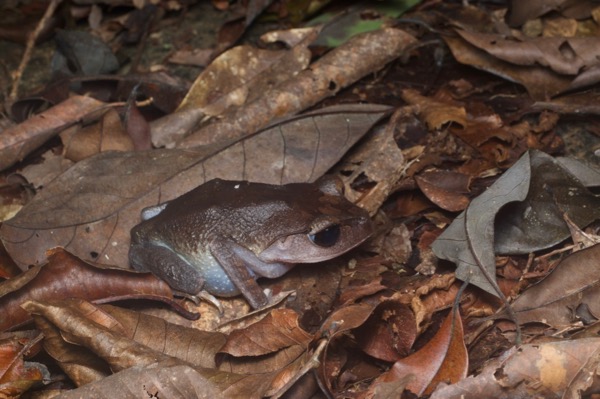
(223, 235)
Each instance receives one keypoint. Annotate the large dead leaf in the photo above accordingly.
(562, 369)
(83, 366)
(574, 282)
(545, 66)
(145, 371)
(360, 56)
(241, 74)
(521, 11)
(443, 359)
(538, 191)
(90, 209)
(271, 344)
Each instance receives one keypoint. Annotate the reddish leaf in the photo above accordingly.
(446, 189)
(389, 333)
(443, 359)
(17, 375)
(66, 276)
(279, 329)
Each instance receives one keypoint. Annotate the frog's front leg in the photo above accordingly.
(243, 267)
(166, 264)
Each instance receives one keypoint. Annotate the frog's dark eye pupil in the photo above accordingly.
(327, 237)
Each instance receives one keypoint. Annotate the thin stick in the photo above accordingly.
(18, 74)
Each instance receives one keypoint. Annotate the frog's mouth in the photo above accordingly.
(316, 246)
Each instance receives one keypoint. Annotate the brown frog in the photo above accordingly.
(223, 235)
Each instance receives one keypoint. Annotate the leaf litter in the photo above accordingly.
(367, 323)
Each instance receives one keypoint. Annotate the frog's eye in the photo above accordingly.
(327, 237)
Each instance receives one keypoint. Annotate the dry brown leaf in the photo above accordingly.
(366, 53)
(542, 370)
(106, 135)
(18, 141)
(446, 189)
(279, 329)
(140, 363)
(443, 359)
(575, 281)
(190, 345)
(389, 333)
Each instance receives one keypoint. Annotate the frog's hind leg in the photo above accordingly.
(167, 265)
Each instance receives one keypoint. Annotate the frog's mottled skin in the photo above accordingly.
(223, 235)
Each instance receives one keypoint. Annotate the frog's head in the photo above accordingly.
(332, 227)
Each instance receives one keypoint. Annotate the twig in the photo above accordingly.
(18, 74)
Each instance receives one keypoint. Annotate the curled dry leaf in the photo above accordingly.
(389, 333)
(563, 55)
(18, 141)
(520, 12)
(274, 343)
(91, 208)
(17, 376)
(443, 359)
(79, 364)
(381, 160)
(67, 276)
(190, 345)
(140, 364)
(545, 66)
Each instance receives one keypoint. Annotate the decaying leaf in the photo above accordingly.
(106, 135)
(20, 140)
(367, 52)
(574, 282)
(520, 213)
(443, 359)
(544, 370)
(545, 66)
(17, 375)
(144, 370)
(389, 333)
(243, 71)
(521, 11)
(83, 366)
